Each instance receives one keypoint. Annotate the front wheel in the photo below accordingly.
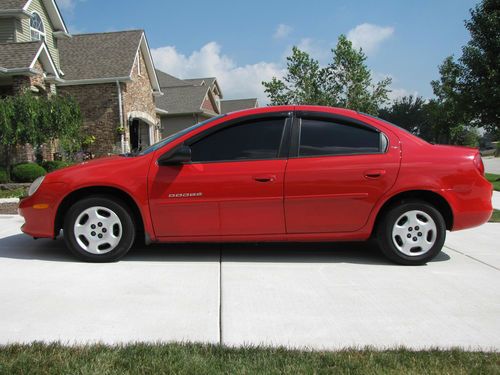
(412, 233)
(99, 229)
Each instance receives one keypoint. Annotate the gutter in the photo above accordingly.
(120, 106)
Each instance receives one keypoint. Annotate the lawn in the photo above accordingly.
(494, 179)
(16, 193)
(495, 218)
(204, 359)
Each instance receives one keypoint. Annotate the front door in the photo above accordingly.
(338, 173)
(233, 186)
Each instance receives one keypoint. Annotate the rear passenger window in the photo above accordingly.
(320, 137)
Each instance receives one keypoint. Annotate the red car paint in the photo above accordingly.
(295, 199)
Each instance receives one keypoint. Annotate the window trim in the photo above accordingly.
(333, 118)
(42, 34)
(284, 142)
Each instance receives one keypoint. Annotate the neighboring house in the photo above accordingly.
(234, 105)
(186, 102)
(111, 75)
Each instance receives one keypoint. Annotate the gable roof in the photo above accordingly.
(104, 57)
(167, 80)
(183, 100)
(21, 58)
(19, 8)
(228, 106)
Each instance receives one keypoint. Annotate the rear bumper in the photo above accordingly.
(471, 206)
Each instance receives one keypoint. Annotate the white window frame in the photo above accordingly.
(41, 34)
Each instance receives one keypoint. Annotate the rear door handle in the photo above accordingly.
(374, 173)
(265, 178)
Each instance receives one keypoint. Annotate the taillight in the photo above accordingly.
(478, 162)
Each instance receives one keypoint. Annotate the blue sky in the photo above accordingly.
(245, 42)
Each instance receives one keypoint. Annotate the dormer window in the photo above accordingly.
(37, 29)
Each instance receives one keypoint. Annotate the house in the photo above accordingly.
(111, 75)
(234, 105)
(189, 101)
(186, 102)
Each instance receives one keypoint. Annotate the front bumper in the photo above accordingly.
(39, 211)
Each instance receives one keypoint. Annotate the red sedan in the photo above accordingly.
(293, 173)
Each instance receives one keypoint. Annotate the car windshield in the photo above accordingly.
(177, 135)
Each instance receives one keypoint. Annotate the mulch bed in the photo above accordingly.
(8, 208)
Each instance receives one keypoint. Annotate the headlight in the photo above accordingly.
(35, 185)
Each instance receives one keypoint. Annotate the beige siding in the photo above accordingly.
(24, 33)
(7, 30)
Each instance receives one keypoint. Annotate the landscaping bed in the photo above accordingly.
(212, 359)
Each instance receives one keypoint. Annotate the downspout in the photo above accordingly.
(120, 106)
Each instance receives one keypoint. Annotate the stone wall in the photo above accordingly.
(100, 112)
(138, 96)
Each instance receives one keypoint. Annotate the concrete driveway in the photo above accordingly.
(492, 165)
(320, 296)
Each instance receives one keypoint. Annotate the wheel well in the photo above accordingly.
(428, 196)
(98, 190)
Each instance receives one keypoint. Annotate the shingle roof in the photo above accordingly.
(101, 55)
(237, 104)
(198, 81)
(18, 55)
(182, 99)
(166, 80)
(12, 4)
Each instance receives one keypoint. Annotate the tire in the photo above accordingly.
(99, 229)
(411, 233)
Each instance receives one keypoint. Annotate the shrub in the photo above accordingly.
(27, 172)
(51, 166)
(4, 178)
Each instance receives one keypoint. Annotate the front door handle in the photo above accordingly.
(374, 174)
(265, 178)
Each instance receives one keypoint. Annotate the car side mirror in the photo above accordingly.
(179, 155)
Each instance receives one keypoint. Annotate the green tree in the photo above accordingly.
(448, 110)
(408, 112)
(481, 65)
(345, 82)
(28, 119)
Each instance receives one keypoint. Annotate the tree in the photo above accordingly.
(408, 112)
(345, 82)
(448, 110)
(481, 65)
(30, 120)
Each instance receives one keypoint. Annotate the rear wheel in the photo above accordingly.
(412, 233)
(99, 229)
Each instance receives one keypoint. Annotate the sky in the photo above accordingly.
(243, 43)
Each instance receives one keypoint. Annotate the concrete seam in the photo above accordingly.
(471, 257)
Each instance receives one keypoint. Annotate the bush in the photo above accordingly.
(27, 172)
(51, 166)
(4, 178)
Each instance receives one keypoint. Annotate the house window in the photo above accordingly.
(139, 65)
(37, 29)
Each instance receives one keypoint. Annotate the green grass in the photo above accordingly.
(495, 218)
(494, 179)
(203, 359)
(16, 193)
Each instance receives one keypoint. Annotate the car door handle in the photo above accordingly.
(374, 173)
(265, 178)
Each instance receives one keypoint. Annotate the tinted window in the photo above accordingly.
(255, 140)
(318, 137)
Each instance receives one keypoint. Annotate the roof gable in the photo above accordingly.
(19, 8)
(104, 56)
(21, 58)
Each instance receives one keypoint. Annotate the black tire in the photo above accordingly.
(387, 222)
(127, 228)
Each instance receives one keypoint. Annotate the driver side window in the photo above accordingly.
(250, 140)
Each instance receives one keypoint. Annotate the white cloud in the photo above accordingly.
(282, 31)
(236, 81)
(369, 36)
(397, 93)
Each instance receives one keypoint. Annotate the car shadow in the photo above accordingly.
(21, 247)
